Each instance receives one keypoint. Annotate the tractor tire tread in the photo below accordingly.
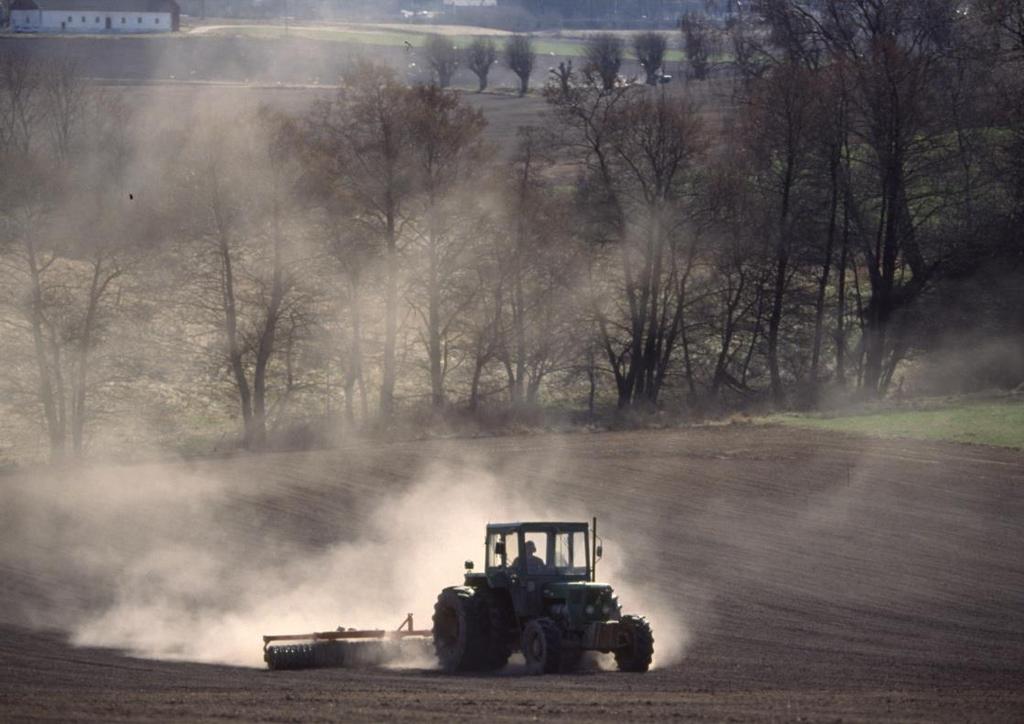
(638, 657)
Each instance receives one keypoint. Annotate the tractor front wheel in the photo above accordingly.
(542, 646)
(638, 651)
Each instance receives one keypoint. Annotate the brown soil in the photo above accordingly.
(823, 577)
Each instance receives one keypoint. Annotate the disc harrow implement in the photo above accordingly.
(346, 647)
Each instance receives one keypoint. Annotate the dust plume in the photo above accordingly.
(158, 560)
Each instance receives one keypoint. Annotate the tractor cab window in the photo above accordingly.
(571, 553)
(495, 543)
(511, 548)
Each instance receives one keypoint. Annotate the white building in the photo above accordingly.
(94, 16)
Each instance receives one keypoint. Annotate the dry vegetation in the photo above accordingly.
(367, 258)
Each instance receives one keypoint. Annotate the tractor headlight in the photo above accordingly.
(589, 609)
(606, 609)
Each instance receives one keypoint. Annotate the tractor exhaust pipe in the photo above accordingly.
(593, 543)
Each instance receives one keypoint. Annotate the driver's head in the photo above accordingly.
(531, 547)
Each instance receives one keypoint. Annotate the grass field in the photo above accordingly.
(396, 38)
(986, 422)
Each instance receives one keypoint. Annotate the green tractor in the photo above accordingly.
(537, 594)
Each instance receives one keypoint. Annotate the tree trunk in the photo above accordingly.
(478, 367)
(728, 330)
(354, 376)
(78, 406)
(37, 320)
(434, 351)
(387, 384)
(59, 391)
(883, 280)
(841, 300)
(774, 322)
(592, 384)
(265, 349)
(779, 287)
(819, 304)
(234, 349)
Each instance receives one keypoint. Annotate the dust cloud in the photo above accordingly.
(150, 559)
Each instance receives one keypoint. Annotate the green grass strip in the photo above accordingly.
(994, 423)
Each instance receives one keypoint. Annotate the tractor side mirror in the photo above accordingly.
(599, 551)
(469, 565)
(499, 548)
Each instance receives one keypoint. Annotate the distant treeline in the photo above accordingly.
(844, 211)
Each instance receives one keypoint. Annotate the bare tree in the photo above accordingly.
(604, 52)
(29, 263)
(538, 260)
(442, 57)
(445, 142)
(21, 101)
(109, 244)
(363, 142)
(63, 272)
(650, 53)
(235, 209)
(519, 56)
(892, 93)
(64, 95)
(696, 44)
(480, 56)
(779, 136)
(638, 152)
(563, 75)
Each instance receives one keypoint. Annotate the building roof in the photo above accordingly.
(98, 6)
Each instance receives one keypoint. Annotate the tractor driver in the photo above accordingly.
(534, 563)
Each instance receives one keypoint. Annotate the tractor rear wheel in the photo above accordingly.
(542, 646)
(636, 655)
(460, 629)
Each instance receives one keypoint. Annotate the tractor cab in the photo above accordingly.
(540, 568)
(539, 551)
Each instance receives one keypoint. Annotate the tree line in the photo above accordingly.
(851, 193)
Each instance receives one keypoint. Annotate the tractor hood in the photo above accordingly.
(591, 601)
(563, 589)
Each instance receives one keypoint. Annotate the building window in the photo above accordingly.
(157, 21)
(139, 20)
(122, 21)
(83, 18)
(69, 18)
(97, 20)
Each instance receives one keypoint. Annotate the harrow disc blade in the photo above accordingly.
(329, 654)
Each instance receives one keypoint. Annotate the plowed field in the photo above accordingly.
(808, 575)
